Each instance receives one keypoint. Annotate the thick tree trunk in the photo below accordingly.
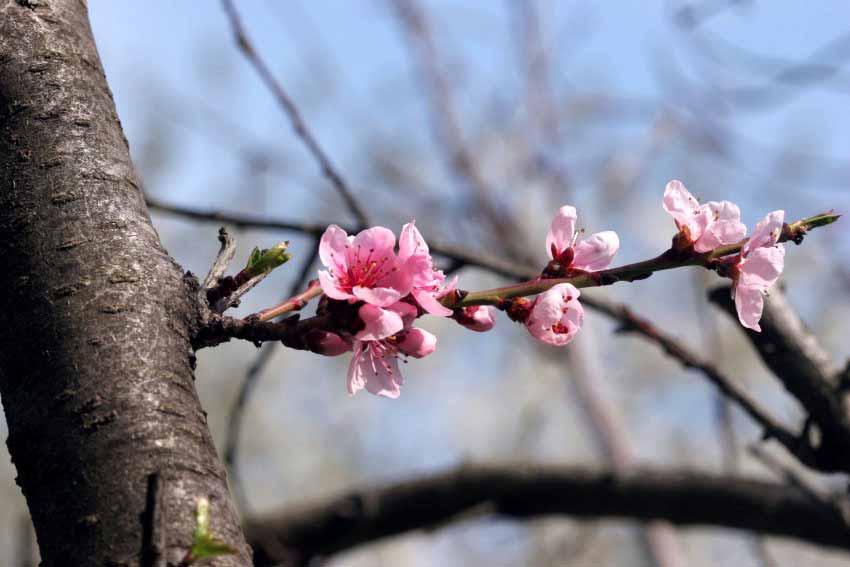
(95, 358)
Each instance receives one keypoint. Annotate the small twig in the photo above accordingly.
(295, 303)
(153, 532)
(668, 260)
(288, 106)
(222, 260)
(232, 299)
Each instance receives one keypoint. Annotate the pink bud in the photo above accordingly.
(417, 343)
(479, 318)
(326, 343)
(556, 315)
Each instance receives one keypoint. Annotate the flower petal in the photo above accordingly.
(380, 323)
(406, 311)
(429, 302)
(378, 296)
(478, 318)
(330, 287)
(561, 232)
(356, 378)
(417, 343)
(597, 252)
(375, 243)
(763, 266)
(766, 233)
(332, 248)
(410, 242)
(685, 209)
(726, 227)
(749, 303)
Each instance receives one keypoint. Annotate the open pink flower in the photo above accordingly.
(387, 335)
(363, 267)
(556, 315)
(427, 283)
(590, 255)
(707, 226)
(758, 266)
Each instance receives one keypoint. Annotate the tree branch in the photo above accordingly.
(792, 353)
(288, 106)
(520, 491)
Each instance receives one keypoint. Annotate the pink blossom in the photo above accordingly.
(707, 226)
(363, 267)
(590, 255)
(428, 284)
(757, 268)
(556, 315)
(387, 335)
(479, 318)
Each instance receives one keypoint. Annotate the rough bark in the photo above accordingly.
(298, 536)
(95, 358)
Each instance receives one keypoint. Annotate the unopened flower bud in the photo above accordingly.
(326, 343)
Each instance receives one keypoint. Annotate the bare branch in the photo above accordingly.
(792, 353)
(288, 106)
(522, 491)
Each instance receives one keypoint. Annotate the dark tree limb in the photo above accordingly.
(794, 356)
(520, 491)
(95, 357)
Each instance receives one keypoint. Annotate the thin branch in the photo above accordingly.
(288, 106)
(523, 491)
(461, 257)
(792, 353)
(446, 124)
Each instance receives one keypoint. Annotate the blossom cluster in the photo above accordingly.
(385, 288)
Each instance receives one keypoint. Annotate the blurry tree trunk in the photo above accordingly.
(95, 359)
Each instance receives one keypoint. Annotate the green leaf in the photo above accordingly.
(204, 544)
(265, 260)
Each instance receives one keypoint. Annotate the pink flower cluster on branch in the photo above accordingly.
(373, 288)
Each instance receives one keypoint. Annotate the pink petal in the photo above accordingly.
(411, 243)
(417, 343)
(478, 318)
(726, 228)
(330, 287)
(327, 343)
(406, 311)
(562, 230)
(749, 302)
(428, 301)
(763, 266)
(356, 378)
(685, 209)
(556, 316)
(597, 252)
(397, 277)
(379, 296)
(332, 248)
(380, 375)
(420, 269)
(376, 242)
(380, 323)
(766, 233)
